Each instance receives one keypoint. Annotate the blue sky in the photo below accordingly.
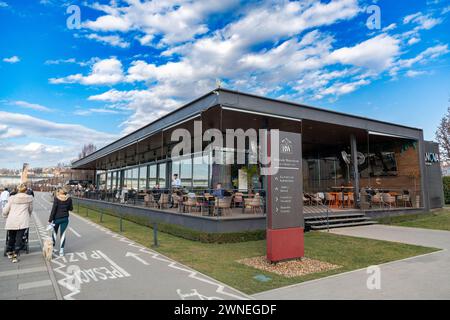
(128, 62)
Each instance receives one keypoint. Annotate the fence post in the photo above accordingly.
(87, 211)
(101, 215)
(120, 223)
(155, 235)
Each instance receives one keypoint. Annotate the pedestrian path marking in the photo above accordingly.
(74, 232)
(34, 284)
(22, 271)
(136, 256)
(122, 271)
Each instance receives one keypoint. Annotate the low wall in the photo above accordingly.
(393, 212)
(198, 223)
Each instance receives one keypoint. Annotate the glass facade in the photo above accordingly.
(152, 175)
(387, 165)
(143, 178)
(162, 174)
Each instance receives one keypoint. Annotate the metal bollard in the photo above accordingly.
(101, 216)
(155, 235)
(120, 224)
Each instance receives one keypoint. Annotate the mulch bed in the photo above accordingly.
(291, 268)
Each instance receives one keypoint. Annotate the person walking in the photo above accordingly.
(4, 196)
(30, 192)
(17, 213)
(59, 218)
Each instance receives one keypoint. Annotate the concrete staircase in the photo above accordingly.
(322, 217)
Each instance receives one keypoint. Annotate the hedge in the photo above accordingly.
(186, 233)
(446, 183)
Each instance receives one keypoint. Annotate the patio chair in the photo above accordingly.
(315, 199)
(191, 204)
(341, 199)
(388, 200)
(223, 205)
(177, 201)
(330, 199)
(351, 199)
(254, 204)
(163, 200)
(377, 200)
(238, 199)
(306, 200)
(149, 200)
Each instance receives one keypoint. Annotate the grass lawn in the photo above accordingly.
(439, 220)
(219, 260)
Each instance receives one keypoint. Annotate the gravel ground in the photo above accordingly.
(289, 269)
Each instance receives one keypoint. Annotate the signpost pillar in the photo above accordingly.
(285, 221)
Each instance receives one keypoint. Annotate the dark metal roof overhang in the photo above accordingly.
(184, 113)
(248, 103)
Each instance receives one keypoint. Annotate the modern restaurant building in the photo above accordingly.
(348, 163)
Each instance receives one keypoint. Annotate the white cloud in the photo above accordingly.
(414, 73)
(91, 111)
(36, 153)
(413, 40)
(108, 23)
(293, 53)
(62, 143)
(390, 27)
(339, 88)
(32, 106)
(175, 21)
(36, 127)
(422, 21)
(61, 61)
(3, 4)
(377, 53)
(103, 72)
(422, 58)
(13, 59)
(89, 62)
(112, 40)
(7, 132)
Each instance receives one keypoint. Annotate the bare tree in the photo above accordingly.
(87, 150)
(443, 136)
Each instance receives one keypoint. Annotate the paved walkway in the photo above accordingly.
(30, 278)
(421, 277)
(100, 264)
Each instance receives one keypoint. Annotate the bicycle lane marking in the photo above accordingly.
(72, 271)
(219, 288)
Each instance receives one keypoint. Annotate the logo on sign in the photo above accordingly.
(286, 146)
(431, 157)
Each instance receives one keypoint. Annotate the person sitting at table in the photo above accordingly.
(156, 191)
(176, 182)
(219, 192)
(124, 194)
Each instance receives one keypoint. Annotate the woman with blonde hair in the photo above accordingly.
(59, 217)
(17, 212)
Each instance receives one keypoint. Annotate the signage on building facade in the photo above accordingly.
(431, 157)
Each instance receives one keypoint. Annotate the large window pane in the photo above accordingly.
(143, 178)
(186, 173)
(201, 171)
(162, 175)
(134, 178)
(152, 178)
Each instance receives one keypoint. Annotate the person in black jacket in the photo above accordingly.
(59, 217)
